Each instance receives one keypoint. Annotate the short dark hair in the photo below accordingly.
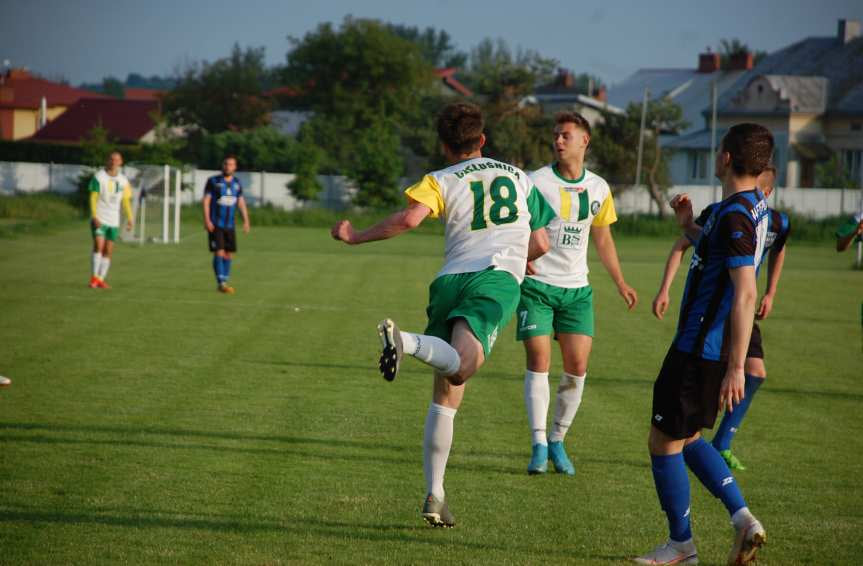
(750, 147)
(230, 156)
(572, 117)
(460, 126)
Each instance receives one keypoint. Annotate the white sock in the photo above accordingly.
(437, 442)
(742, 517)
(103, 268)
(97, 259)
(433, 351)
(568, 399)
(536, 399)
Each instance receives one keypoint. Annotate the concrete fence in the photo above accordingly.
(261, 187)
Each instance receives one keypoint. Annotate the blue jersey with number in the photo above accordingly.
(733, 236)
(224, 195)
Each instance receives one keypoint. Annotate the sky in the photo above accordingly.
(86, 40)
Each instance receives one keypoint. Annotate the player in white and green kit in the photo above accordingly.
(556, 297)
(109, 190)
(495, 221)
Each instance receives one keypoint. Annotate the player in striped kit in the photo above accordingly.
(704, 368)
(778, 229)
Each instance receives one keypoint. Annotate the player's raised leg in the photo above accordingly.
(428, 349)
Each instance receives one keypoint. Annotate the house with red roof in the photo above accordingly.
(21, 108)
(126, 121)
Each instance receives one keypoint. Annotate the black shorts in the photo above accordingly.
(755, 349)
(222, 239)
(686, 394)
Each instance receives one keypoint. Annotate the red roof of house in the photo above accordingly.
(142, 93)
(20, 89)
(127, 121)
(448, 76)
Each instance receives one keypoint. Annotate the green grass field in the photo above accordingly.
(161, 422)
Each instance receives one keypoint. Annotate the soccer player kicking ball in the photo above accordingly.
(703, 369)
(556, 296)
(494, 224)
(109, 189)
(222, 195)
(778, 229)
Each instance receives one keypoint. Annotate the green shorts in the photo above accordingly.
(105, 231)
(485, 299)
(544, 309)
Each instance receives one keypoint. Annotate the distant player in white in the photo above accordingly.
(495, 222)
(556, 297)
(109, 190)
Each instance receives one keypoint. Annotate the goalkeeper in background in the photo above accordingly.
(109, 189)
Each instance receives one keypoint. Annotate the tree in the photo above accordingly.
(729, 48)
(225, 95)
(435, 45)
(367, 89)
(832, 174)
(614, 146)
(113, 87)
(517, 133)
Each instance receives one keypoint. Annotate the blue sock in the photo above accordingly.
(219, 262)
(672, 487)
(709, 467)
(731, 421)
(217, 267)
(227, 271)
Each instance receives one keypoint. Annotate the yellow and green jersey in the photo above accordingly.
(489, 209)
(107, 193)
(578, 204)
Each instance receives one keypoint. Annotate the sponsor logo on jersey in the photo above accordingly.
(771, 237)
(657, 417)
(594, 207)
(696, 263)
(227, 200)
(758, 210)
(569, 236)
(727, 481)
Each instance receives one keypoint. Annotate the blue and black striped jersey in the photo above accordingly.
(734, 235)
(223, 200)
(778, 228)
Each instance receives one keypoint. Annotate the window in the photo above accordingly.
(852, 159)
(698, 161)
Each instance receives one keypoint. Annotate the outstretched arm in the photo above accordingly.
(604, 243)
(391, 226)
(660, 302)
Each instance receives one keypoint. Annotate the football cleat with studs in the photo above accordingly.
(392, 349)
(436, 513)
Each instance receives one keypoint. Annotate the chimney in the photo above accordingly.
(849, 30)
(602, 94)
(18, 74)
(740, 61)
(708, 62)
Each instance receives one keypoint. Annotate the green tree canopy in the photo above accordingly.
(367, 88)
(614, 147)
(224, 95)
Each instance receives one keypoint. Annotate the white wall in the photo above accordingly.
(259, 187)
(815, 203)
(271, 188)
